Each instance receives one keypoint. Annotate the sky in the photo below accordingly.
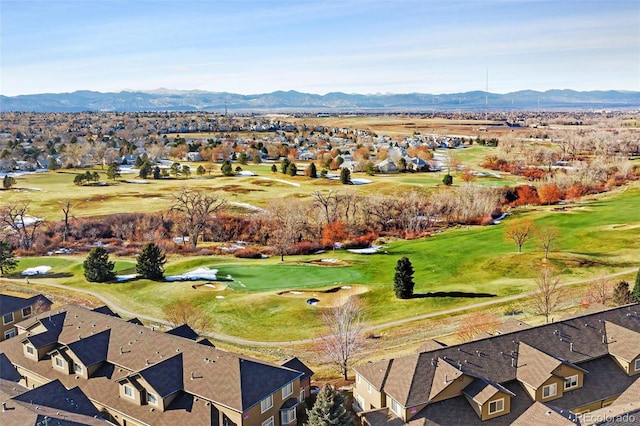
(318, 46)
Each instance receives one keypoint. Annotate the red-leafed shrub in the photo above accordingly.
(248, 253)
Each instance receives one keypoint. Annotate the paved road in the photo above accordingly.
(242, 341)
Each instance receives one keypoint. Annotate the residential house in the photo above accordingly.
(15, 309)
(305, 380)
(566, 369)
(138, 376)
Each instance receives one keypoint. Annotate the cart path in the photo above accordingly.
(249, 342)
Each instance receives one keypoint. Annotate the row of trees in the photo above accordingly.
(150, 264)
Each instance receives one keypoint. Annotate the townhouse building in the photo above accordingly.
(566, 369)
(134, 375)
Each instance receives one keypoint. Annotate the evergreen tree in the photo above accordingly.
(369, 168)
(621, 294)
(145, 169)
(447, 180)
(156, 172)
(53, 164)
(274, 168)
(7, 261)
(113, 172)
(329, 409)
(292, 170)
(200, 171)
(635, 294)
(97, 267)
(8, 182)
(403, 279)
(151, 262)
(284, 166)
(226, 168)
(345, 176)
(313, 172)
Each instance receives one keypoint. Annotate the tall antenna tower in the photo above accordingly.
(486, 97)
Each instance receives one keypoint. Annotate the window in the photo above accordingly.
(360, 402)
(571, 382)
(303, 396)
(9, 334)
(395, 407)
(30, 349)
(77, 368)
(7, 318)
(369, 387)
(289, 416)
(59, 362)
(266, 403)
(496, 406)
(268, 422)
(357, 378)
(152, 398)
(549, 390)
(128, 391)
(287, 390)
(26, 312)
(637, 366)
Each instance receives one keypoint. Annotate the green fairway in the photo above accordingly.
(598, 237)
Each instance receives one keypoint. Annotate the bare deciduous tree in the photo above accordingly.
(548, 293)
(547, 235)
(519, 231)
(475, 324)
(183, 312)
(345, 336)
(66, 210)
(197, 209)
(600, 291)
(19, 224)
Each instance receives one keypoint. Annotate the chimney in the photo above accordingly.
(192, 376)
(571, 346)
(121, 350)
(4, 407)
(513, 362)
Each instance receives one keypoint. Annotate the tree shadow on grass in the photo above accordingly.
(41, 276)
(451, 294)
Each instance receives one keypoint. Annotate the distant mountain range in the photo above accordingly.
(292, 101)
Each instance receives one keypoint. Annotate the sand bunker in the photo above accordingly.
(332, 297)
(209, 287)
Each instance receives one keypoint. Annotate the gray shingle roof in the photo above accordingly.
(579, 342)
(166, 377)
(232, 380)
(13, 303)
(92, 349)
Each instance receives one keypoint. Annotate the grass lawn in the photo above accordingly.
(46, 191)
(598, 237)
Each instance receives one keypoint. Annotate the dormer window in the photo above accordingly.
(77, 368)
(571, 382)
(30, 349)
(496, 406)
(59, 362)
(7, 318)
(26, 311)
(152, 398)
(128, 391)
(637, 364)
